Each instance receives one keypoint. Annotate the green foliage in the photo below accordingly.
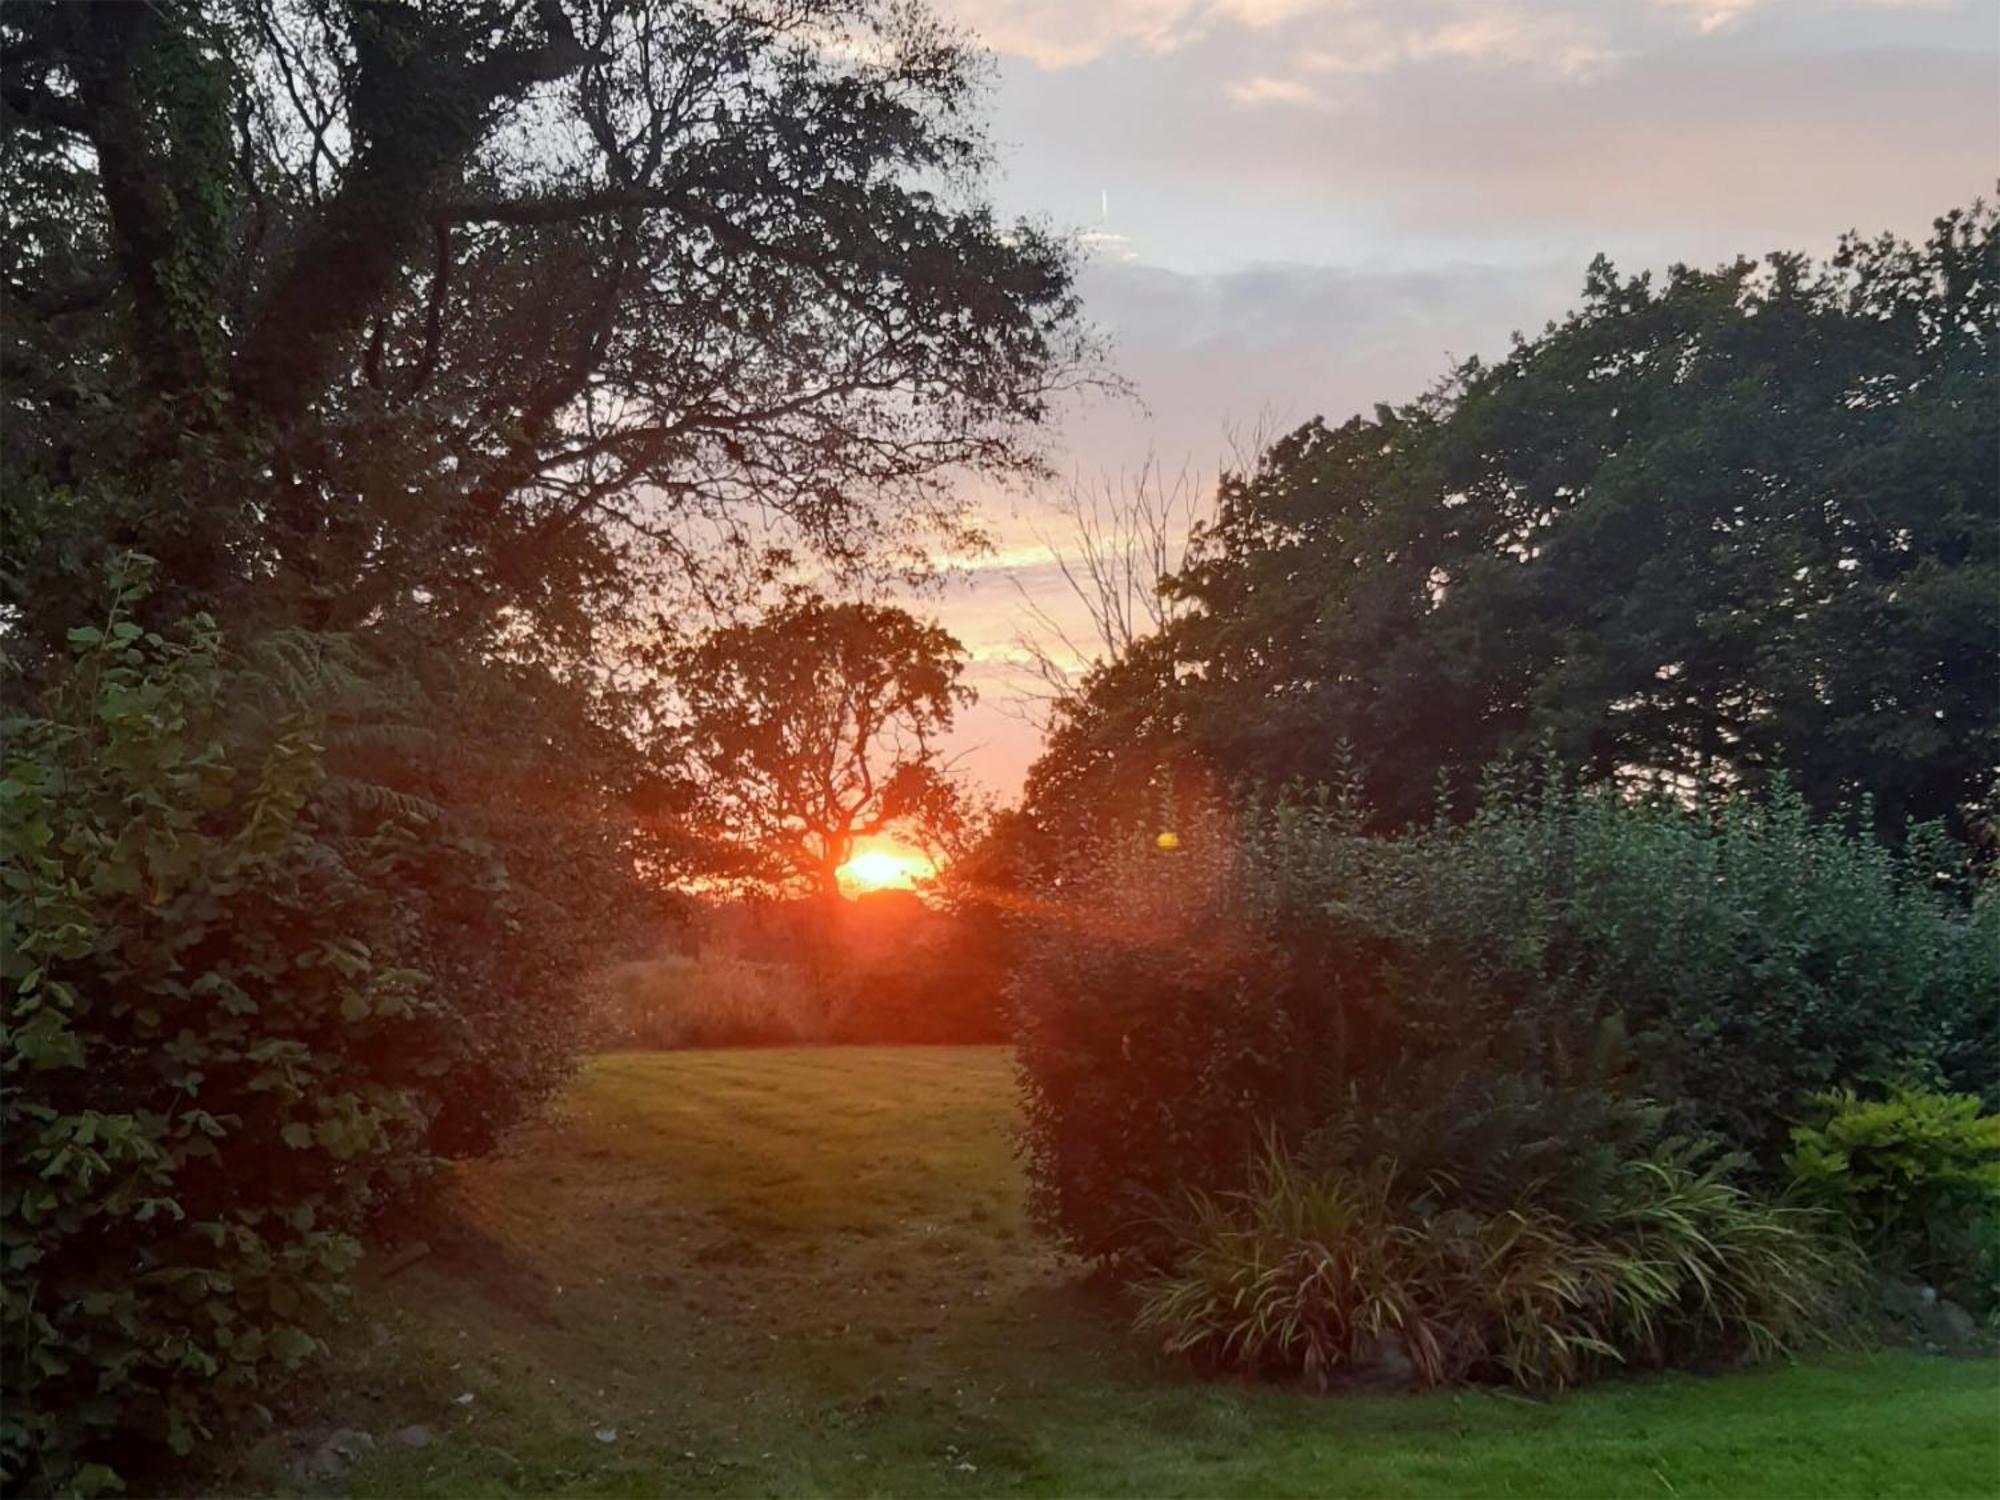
(1916, 1174)
(1500, 1130)
(1318, 1275)
(527, 875)
(1158, 1031)
(210, 1073)
(263, 964)
(1739, 520)
(1488, 995)
(1752, 954)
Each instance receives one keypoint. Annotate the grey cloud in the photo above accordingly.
(1733, 138)
(1278, 344)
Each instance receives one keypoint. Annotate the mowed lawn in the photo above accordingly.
(799, 1272)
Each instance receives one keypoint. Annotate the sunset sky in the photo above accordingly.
(1317, 204)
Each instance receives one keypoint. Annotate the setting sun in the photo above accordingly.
(884, 869)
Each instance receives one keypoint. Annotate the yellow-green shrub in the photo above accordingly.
(1916, 1173)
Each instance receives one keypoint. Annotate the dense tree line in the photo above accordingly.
(1701, 531)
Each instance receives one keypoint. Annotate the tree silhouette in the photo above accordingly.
(481, 314)
(816, 726)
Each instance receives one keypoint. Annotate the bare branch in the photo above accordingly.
(1125, 535)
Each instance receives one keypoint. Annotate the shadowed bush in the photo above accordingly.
(254, 986)
(926, 996)
(1160, 1031)
(882, 968)
(214, 1063)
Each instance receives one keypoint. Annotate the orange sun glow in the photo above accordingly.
(883, 869)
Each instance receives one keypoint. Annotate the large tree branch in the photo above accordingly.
(116, 51)
(680, 200)
(434, 314)
(419, 110)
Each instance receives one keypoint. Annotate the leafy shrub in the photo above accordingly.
(1752, 955)
(1915, 1173)
(208, 1073)
(257, 977)
(934, 978)
(524, 878)
(933, 997)
(1284, 967)
(1316, 1274)
(1158, 1033)
(1558, 1130)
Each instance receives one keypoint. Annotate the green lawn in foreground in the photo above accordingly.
(807, 1271)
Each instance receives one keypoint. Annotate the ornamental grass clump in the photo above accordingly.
(1369, 1275)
